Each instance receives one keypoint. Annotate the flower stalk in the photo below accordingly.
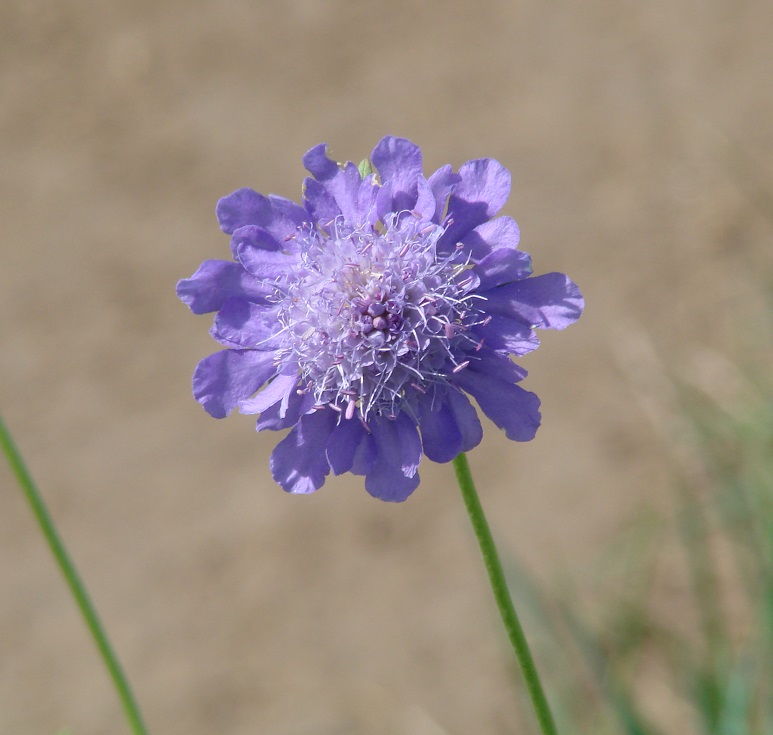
(74, 582)
(502, 595)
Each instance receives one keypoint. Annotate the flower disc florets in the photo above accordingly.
(372, 316)
(362, 320)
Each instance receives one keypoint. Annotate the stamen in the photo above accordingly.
(350, 406)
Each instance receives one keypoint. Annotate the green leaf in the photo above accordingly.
(365, 168)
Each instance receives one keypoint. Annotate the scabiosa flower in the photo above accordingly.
(362, 319)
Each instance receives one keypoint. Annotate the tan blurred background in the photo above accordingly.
(640, 141)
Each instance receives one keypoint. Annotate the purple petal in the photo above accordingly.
(483, 189)
(483, 181)
(265, 265)
(366, 200)
(425, 202)
(287, 217)
(298, 463)
(365, 456)
(222, 380)
(398, 162)
(550, 301)
(496, 365)
(384, 201)
(297, 406)
(345, 188)
(440, 435)
(317, 163)
(341, 183)
(254, 237)
(501, 232)
(244, 324)
(215, 282)
(393, 476)
(242, 207)
(502, 266)
(442, 183)
(277, 215)
(509, 406)
(222, 340)
(343, 444)
(319, 202)
(466, 418)
(278, 390)
(510, 335)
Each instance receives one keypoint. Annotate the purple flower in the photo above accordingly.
(364, 318)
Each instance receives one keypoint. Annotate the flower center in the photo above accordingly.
(373, 316)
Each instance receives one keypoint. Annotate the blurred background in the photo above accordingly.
(640, 142)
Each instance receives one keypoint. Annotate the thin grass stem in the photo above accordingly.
(502, 595)
(74, 582)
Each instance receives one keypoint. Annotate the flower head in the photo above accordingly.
(362, 319)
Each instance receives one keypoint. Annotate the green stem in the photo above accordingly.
(73, 580)
(502, 596)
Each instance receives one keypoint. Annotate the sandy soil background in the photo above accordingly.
(640, 141)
